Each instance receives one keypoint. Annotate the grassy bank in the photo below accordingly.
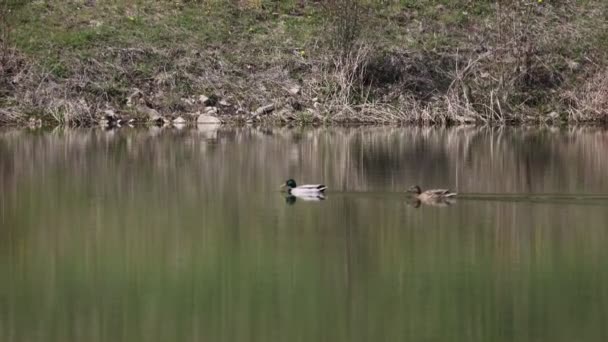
(432, 61)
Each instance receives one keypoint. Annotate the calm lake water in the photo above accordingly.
(182, 235)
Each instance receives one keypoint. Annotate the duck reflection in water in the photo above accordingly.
(291, 199)
(416, 203)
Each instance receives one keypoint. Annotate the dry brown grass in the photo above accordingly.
(510, 67)
(13, 67)
(510, 71)
(590, 102)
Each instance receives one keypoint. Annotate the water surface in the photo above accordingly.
(181, 235)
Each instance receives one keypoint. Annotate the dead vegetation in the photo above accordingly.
(518, 63)
(513, 70)
(590, 102)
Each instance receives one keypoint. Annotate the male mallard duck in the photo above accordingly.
(432, 196)
(308, 190)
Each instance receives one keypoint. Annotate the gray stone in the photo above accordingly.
(553, 115)
(154, 116)
(264, 110)
(151, 113)
(109, 115)
(464, 119)
(131, 99)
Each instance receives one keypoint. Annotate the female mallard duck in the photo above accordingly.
(432, 196)
(308, 190)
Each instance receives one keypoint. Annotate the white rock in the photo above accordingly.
(295, 90)
(204, 119)
(179, 120)
(224, 103)
(211, 110)
(203, 99)
(573, 65)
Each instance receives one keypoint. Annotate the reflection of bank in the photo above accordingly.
(208, 131)
(291, 199)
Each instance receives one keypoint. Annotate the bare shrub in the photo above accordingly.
(590, 102)
(512, 69)
(347, 73)
(515, 64)
(340, 86)
(420, 74)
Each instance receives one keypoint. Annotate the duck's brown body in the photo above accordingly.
(433, 196)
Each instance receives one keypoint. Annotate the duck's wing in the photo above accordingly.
(441, 192)
(438, 200)
(312, 187)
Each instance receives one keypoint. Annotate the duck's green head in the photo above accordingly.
(290, 183)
